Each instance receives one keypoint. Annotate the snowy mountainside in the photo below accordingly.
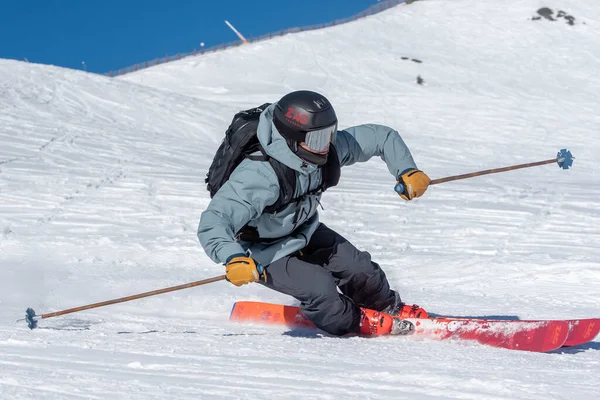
(101, 189)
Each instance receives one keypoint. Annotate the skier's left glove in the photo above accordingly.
(241, 269)
(411, 184)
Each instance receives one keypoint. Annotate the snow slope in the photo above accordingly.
(101, 189)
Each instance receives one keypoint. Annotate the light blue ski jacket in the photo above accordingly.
(253, 185)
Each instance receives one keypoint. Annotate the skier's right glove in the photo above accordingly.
(241, 269)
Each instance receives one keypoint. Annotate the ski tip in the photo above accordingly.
(557, 335)
(582, 331)
(564, 159)
(232, 309)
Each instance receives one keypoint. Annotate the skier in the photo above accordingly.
(289, 250)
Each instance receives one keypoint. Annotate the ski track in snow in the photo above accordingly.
(102, 186)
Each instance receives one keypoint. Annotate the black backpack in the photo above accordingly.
(241, 141)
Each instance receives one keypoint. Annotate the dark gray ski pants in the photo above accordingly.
(314, 275)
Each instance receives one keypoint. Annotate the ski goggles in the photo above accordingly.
(318, 140)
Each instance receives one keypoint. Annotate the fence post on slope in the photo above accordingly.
(373, 9)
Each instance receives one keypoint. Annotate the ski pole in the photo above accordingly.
(32, 318)
(564, 159)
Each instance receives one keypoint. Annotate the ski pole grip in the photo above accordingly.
(399, 188)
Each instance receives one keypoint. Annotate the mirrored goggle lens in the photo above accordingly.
(319, 140)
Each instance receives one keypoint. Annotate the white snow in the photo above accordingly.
(102, 186)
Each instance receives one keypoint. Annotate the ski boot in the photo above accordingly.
(400, 310)
(376, 323)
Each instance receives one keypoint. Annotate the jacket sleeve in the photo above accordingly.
(242, 198)
(360, 143)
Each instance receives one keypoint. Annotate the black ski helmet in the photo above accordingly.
(301, 112)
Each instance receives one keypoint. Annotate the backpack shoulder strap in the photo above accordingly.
(285, 175)
(263, 157)
(287, 185)
(331, 171)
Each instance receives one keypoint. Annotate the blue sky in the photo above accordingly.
(112, 34)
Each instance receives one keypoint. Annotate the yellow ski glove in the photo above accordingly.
(412, 184)
(241, 269)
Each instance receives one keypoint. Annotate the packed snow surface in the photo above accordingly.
(102, 186)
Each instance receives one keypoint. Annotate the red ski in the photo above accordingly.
(582, 331)
(538, 336)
